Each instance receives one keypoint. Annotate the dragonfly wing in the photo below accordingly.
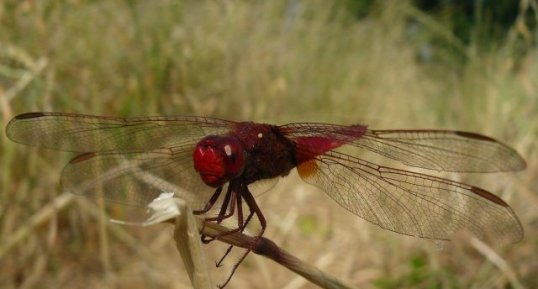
(443, 150)
(440, 150)
(260, 187)
(410, 203)
(136, 178)
(87, 133)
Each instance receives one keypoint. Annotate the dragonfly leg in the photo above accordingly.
(209, 203)
(240, 227)
(221, 218)
(253, 206)
(241, 223)
(227, 204)
(229, 201)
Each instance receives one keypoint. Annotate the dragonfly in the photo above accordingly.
(215, 162)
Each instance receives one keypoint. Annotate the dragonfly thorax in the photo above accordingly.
(219, 159)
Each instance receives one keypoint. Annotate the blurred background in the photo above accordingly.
(452, 64)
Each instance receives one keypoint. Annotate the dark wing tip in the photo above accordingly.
(474, 135)
(489, 196)
(12, 129)
(82, 157)
(516, 162)
(516, 229)
(29, 115)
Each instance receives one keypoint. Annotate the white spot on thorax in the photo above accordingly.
(228, 150)
(260, 135)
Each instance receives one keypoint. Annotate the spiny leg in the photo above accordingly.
(240, 227)
(221, 218)
(229, 201)
(253, 207)
(209, 203)
(233, 191)
(249, 217)
(208, 207)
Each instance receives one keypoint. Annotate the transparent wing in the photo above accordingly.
(136, 178)
(440, 150)
(443, 150)
(410, 203)
(128, 161)
(87, 133)
(261, 187)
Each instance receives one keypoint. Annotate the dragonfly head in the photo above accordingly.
(219, 159)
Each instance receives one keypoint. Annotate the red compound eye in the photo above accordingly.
(218, 159)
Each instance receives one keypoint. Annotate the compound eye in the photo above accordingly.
(209, 162)
(219, 159)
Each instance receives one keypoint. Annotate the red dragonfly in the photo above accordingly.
(207, 157)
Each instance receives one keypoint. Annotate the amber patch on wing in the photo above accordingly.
(308, 169)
